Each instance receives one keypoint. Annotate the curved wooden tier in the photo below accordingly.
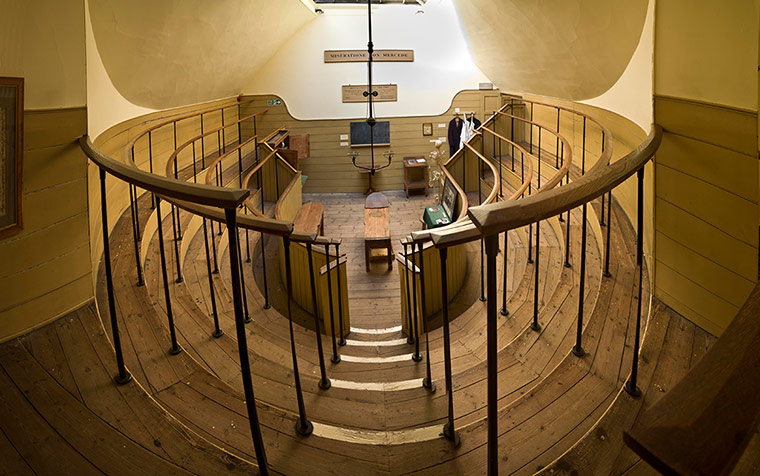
(555, 412)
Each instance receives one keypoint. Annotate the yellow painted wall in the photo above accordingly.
(43, 41)
(706, 192)
(168, 54)
(575, 49)
(329, 169)
(45, 268)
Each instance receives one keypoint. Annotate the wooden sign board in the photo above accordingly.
(362, 56)
(385, 93)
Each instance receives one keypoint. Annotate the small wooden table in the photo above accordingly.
(377, 229)
(310, 219)
(412, 164)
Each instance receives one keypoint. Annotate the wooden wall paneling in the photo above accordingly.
(708, 274)
(329, 163)
(725, 210)
(45, 262)
(706, 192)
(705, 239)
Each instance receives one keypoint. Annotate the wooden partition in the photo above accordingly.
(456, 267)
(287, 208)
(323, 296)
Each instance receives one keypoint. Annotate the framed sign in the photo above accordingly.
(356, 93)
(11, 154)
(362, 56)
(427, 129)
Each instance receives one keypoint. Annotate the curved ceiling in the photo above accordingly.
(573, 49)
(167, 53)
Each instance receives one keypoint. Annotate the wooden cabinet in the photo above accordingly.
(415, 174)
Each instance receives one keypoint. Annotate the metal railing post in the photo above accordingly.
(342, 339)
(175, 348)
(578, 347)
(606, 272)
(303, 425)
(176, 248)
(602, 222)
(263, 245)
(409, 334)
(492, 250)
(630, 385)
(504, 311)
(245, 367)
(448, 429)
(535, 325)
(123, 376)
(150, 163)
(416, 355)
(178, 235)
(213, 248)
(135, 226)
(218, 332)
(335, 357)
(242, 280)
(324, 382)
(427, 382)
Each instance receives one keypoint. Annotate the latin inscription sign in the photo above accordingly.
(385, 93)
(362, 56)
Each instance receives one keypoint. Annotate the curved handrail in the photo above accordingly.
(165, 187)
(463, 225)
(704, 423)
(499, 217)
(607, 145)
(527, 181)
(173, 156)
(219, 159)
(258, 166)
(128, 158)
(495, 187)
(567, 161)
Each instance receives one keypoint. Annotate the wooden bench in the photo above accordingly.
(377, 229)
(310, 219)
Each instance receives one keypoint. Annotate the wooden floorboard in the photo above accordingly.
(551, 403)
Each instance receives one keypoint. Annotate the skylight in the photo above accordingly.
(383, 2)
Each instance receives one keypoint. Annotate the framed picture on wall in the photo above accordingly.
(427, 129)
(11, 154)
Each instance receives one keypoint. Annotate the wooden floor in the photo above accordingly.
(185, 414)
(375, 296)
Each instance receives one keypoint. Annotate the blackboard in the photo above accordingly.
(360, 133)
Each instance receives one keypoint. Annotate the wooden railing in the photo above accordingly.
(704, 423)
(483, 222)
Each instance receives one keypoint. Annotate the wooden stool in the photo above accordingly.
(377, 229)
(310, 219)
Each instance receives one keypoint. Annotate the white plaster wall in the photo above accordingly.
(632, 95)
(106, 106)
(443, 65)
